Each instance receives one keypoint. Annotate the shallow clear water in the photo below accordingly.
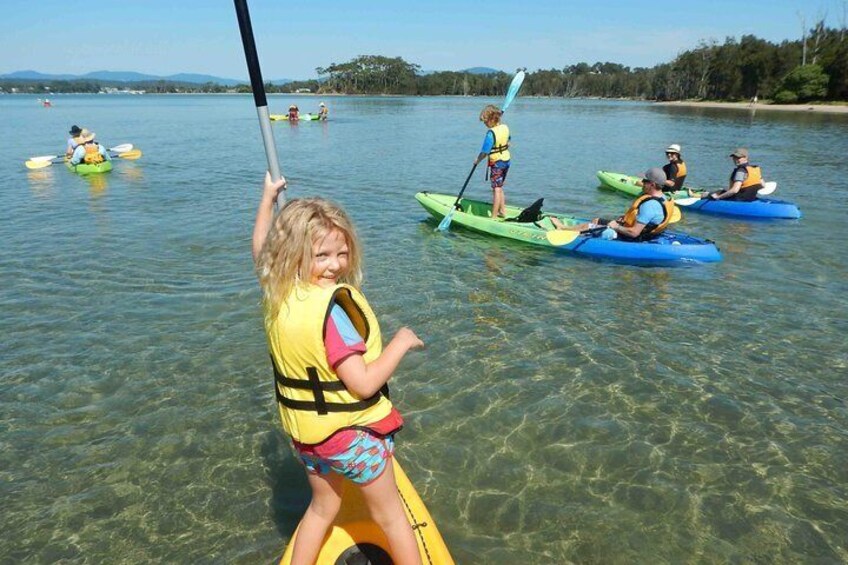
(563, 410)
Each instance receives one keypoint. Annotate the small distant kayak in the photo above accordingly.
(89, 169)
(355, 538)
(761, 208)
(668, 248)
(302, 117)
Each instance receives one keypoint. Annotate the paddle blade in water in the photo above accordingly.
(122, 148)
(32, 164)
(676, 216)
(444, 225)
(561, 237)
(686, 201)
(131, 155)
(45, 158)
(767, 188)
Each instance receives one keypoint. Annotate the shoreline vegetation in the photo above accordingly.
(833, 108)
(810, 73)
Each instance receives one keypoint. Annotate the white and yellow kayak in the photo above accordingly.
(353, 533)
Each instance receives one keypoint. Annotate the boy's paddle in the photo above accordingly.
(559, 238)
(511, 93)
(258, 88)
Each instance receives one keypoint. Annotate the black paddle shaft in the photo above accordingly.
(258, 88)
(249, 44)
(464, 186)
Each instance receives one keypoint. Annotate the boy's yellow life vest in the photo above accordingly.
(500, 148)
(629, 218)
(755, 176)
(313, 402)
(92, 154)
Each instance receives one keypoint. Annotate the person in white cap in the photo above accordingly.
(675, 170)
(323, 113)
(745, 180)
(647, 217)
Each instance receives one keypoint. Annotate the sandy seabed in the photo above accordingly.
(818, 108)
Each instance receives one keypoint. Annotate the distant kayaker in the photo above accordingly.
(294, 113)
(329, 365)
(87, 150)
(496, 148)
(646, 218)
(323, 112)
(745, 180)
(72, 142)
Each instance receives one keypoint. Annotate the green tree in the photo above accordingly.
(808, 82)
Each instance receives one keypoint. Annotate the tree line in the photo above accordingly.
(813, 68)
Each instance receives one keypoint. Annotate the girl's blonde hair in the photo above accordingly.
(491, 113)
(285, 260)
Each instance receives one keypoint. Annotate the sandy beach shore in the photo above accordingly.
(817, 108)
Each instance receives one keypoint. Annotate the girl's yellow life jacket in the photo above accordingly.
(312, 401)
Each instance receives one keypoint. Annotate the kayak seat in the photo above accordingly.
(532, 213)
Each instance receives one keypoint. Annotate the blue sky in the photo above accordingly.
(293, 37)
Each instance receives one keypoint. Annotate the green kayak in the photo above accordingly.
(627, 184)
(88, 169)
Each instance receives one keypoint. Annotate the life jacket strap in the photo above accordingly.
(313, 383)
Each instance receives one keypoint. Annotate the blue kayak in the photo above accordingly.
(669, 248)
(761, 208)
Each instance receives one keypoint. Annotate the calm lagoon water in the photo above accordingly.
(563, 410)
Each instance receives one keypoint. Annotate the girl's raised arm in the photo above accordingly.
(265, 212)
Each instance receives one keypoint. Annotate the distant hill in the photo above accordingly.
(481, 71)
(129, 76)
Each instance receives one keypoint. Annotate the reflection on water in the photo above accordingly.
(562, 411)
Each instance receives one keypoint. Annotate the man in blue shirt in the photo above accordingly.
(647, 216)
(649, 208)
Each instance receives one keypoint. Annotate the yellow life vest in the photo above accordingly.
(92, 154)
(500, 147)
(313, 402)
(755, 176)
(650, 230)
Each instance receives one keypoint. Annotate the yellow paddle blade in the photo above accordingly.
(676, 216)
(131, 155)
(37, 164)
(561, 237)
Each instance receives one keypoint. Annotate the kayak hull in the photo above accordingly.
(302, 118)
(353, 534)
(759, 209)
(669, 248)
(90, 169)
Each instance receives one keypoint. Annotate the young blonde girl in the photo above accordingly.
(496, 148)
(329, 365)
